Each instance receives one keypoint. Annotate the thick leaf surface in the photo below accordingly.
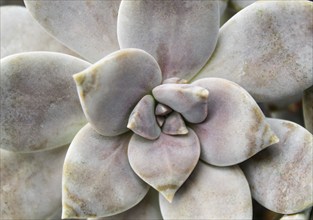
(280, 177)
(180, 35)
(211, 193)
(31, 184)
(267, 49)
(110, 89)
(304, 215)
(97, 178)
(87, 27)
(147, 209)
(235, 128)
(174, 125)
(164, 163)
(189, 100)
(21, 33)
(142, 120)
(39, 105)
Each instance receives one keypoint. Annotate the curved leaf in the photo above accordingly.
(211, 193)
(148, 208)
(189, 100)
(271, 54)
(110, 89)
(38, 99)
(164, 163)
(31, 184)
(97, 177)
(180, 35)
(92, 24)
(235, 128)
(142, 120)
(21, 33)
(280, 176)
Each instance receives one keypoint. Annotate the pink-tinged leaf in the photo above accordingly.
(147, 209)
(180, 35)
(142, 120)
(97, 178)
(21, 33)
(110, 89)
(162, 110)
(280, 177)
(164, 163)
(174, 125)
(211, 193)
(31, 183)
(40, 109)
(87, 27)
(189, 100)
(235, 128)
(267, 49)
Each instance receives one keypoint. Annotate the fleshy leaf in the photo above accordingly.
(174, 80)
(308, 108)
(147, 209)
(21, 33)
(31, 183)
(38, 100)
(160, 120)
(211, 193)
(189, 100)
(174, 125)
(162, 109)
(97, 177)
(180, 35)
(142, 120)
(110, 89)
(304, 215)
(235, 128)
(164, 163)
(280, 177)
(271, 55)
(87, 27)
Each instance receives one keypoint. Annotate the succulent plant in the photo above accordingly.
(169, 125)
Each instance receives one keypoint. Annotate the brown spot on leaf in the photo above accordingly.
(166, 187)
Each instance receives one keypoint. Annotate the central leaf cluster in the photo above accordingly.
(167, 108)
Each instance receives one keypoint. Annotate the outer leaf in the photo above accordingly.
(21, 33)
(38, 99)
(30, 184)
(97, 178)
(280, 177)
(181, 35)
(211, 193)
(165, 163)
(110, 89)
(147, 209)
(271, 55)
(92, 24)
(235, 128)
(308, 108)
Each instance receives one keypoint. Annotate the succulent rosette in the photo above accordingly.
(168, 105)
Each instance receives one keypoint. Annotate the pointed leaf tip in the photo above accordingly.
(106, 102)
(179, 154)
(235, 128)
